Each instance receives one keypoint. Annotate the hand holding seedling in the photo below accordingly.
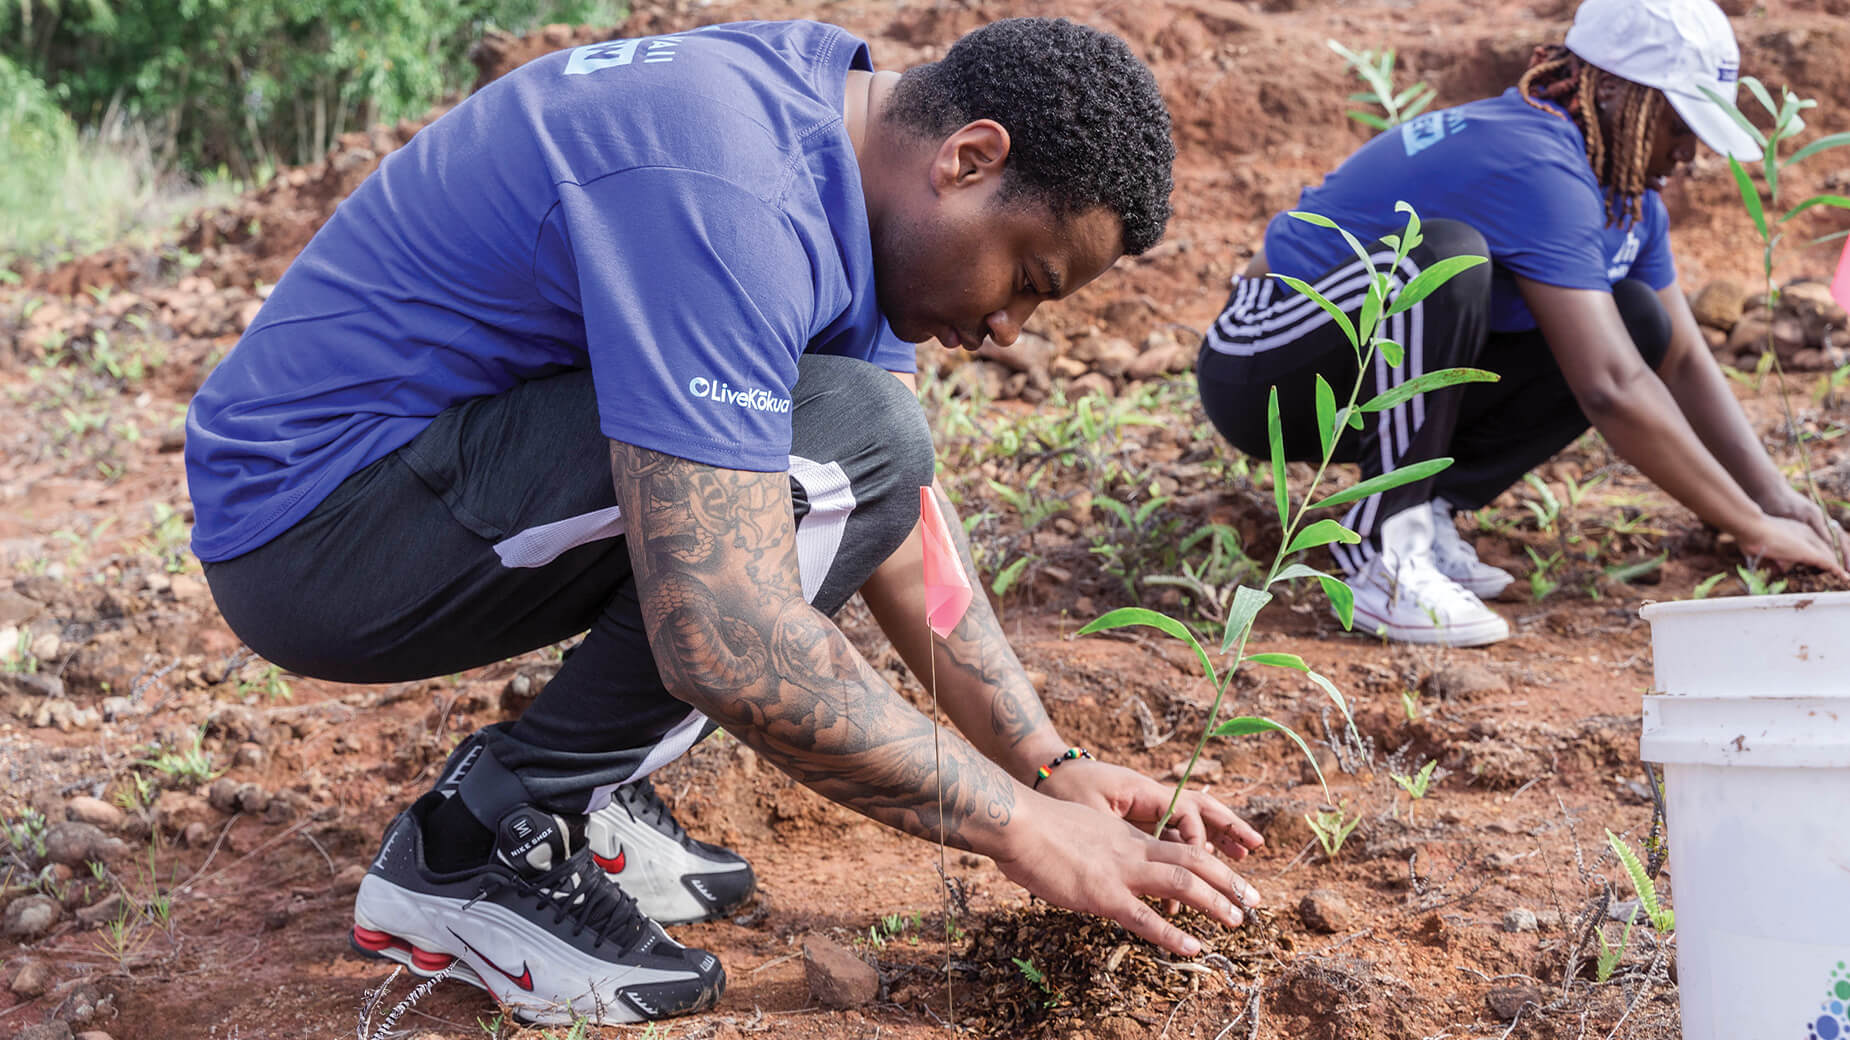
(1781, 540)
(1791, 505)
(1199, 819)
(1078, 857)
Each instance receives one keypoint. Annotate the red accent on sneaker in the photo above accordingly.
(524, 980)
(372, 940)
(378, 942)
(611, 866)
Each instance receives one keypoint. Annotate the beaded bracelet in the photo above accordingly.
(1065, 756)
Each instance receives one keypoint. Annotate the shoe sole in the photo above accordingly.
(1482, 634)
(428, 959)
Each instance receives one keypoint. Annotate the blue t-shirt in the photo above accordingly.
(683, 215)
(1518, 175)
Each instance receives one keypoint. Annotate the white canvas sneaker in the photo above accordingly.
(1401, 595)
(1457, 559)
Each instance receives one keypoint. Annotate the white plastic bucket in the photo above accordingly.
(1750, 716)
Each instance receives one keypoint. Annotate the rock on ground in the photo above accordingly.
(30, 918)
(32, 979)
(1506, 1002)
(1325, 910)
(837, 977)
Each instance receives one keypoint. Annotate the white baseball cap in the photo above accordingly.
(1677, 46)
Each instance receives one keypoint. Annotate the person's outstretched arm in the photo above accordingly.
(1701, 391)
(985, 690)
(1627, 402)
(714, 552)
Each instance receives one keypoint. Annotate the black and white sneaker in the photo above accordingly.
(674, 878)
(539, 926)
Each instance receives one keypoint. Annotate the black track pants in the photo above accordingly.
(1269, 336)
(494, 533)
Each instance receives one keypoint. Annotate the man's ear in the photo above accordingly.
(974, 155)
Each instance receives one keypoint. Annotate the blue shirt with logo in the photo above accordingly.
(683, 215)
(1518, 175)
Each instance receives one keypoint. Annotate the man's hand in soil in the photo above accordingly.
(1783, 541)
(1791, 505)
(1199, 819)
(1085, 859)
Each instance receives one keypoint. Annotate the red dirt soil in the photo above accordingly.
(1536, 737)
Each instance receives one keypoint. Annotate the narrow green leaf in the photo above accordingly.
(1750, 196)
(1429, 280)
(1336, 695)
(1759, 91)
(1326, 415)
(1323, 532)
(1354, 417)
(1304, 288)
(1838, 201)
(1322, 221)
(1342, 597)
(1736, 114)
(1832, 237)
(1124, 617)
(1368, 319)
(1246, 725)
(1275, 433)
(1412, 238)
(1247, 603)
(1428, 382)
(1408, 94)
(1296, 570)
(1392, 351)
(1002, 582)
(1385, 482)
(1278, 660)
(1368, 119)
(1419, 104)
(1821, 144)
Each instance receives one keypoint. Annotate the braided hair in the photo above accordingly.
(1557, 74)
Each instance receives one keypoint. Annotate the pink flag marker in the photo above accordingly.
(1840, 284)
(947, 588)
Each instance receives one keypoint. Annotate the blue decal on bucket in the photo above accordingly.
(1833, 1022)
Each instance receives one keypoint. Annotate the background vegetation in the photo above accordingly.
(111, 104)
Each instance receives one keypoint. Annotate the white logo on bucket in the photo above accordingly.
(756, 400)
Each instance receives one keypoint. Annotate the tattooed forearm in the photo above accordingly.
(978, 649)
(714, 553)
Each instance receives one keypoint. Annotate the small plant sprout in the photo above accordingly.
(1039, 978)
(183, 766)
(1610, 954)
(1787, 124)
(1332, 827)
(1662, 918)
(1410, 703)
(1386, 296)
(1415, 785)
(1376, 71)
(1756, 583)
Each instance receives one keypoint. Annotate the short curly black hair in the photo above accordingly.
(1086, 122)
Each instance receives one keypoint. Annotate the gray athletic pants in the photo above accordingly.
(495, 532)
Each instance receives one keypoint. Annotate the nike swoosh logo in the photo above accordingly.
(611, 866)
(524, 980)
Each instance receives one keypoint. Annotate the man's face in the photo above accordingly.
(962, 265)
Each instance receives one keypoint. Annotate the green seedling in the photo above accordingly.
(1787, 124)
(1662, 918)
(1756, 582)
(1707, 585)
(1376, 71)
(1610, 954)
(183, 766)
(1415, 785)
(1410, 703)
(1050, 997)
(1332, 827)
(1540, 582)
(1383, 299)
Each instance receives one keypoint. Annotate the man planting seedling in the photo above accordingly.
(1556, 181)
(610, 349)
